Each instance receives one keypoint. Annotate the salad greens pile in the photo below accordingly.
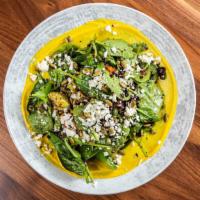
(96, 100)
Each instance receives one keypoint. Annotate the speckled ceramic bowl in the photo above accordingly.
(62, 22)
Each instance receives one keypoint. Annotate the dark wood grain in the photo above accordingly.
(181, 180)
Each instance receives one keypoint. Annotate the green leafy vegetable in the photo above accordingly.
(41, 122)
(70, 158)
(82, 81)
(107, 159)
(57, 124)
(139, 47)
(122, 139)
(57, 76)
(151, 102)
(113, 84)
(142, 78)
(123, 49)
(43, 92)
(88, 152)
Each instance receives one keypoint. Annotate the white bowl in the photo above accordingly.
(62, 22)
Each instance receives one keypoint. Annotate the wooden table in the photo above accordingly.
(180, 181)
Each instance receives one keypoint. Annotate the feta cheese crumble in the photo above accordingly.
(129, 111)
(43, 66)
(94, 112)
(108, 28)
(114, 49)
(147, 58)
(69, 62)
(68, 124)
(33, 77)
(105, 54)
(118, 159)
(97, 81)
(105, 153)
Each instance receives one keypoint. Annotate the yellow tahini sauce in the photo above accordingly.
(81, 36)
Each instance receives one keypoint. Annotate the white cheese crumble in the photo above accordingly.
(69, 132)
(46, 149)
(128, 68)
(108, 28)
(38, 143)
(118, 159)
(69, 127)
(97, 128)
(76, 96)
(113, 98)
(49, 60)
(97, 81)
(138, 68)
(45, 106)
(147, 58)
(105, 54)
(54, 113)
(86, 137)
(43, 66)
(129, 111)
(33, 77)
(114, 49)
(126, 123)
(105, 153)
(94, 112)
(69, 62)
(38, 137)
(137, 117)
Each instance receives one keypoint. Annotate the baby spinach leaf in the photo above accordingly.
(43, 92)
(123, 49)
(40, 122)
(70, 158)
(88, 152)
(77, 112)
(138, 77)
(150, 103)
(113, 84)
(107, 159)
(74, 153)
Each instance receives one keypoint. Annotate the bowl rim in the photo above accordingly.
(180, 49)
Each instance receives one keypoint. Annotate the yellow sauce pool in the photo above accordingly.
(81, 36)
